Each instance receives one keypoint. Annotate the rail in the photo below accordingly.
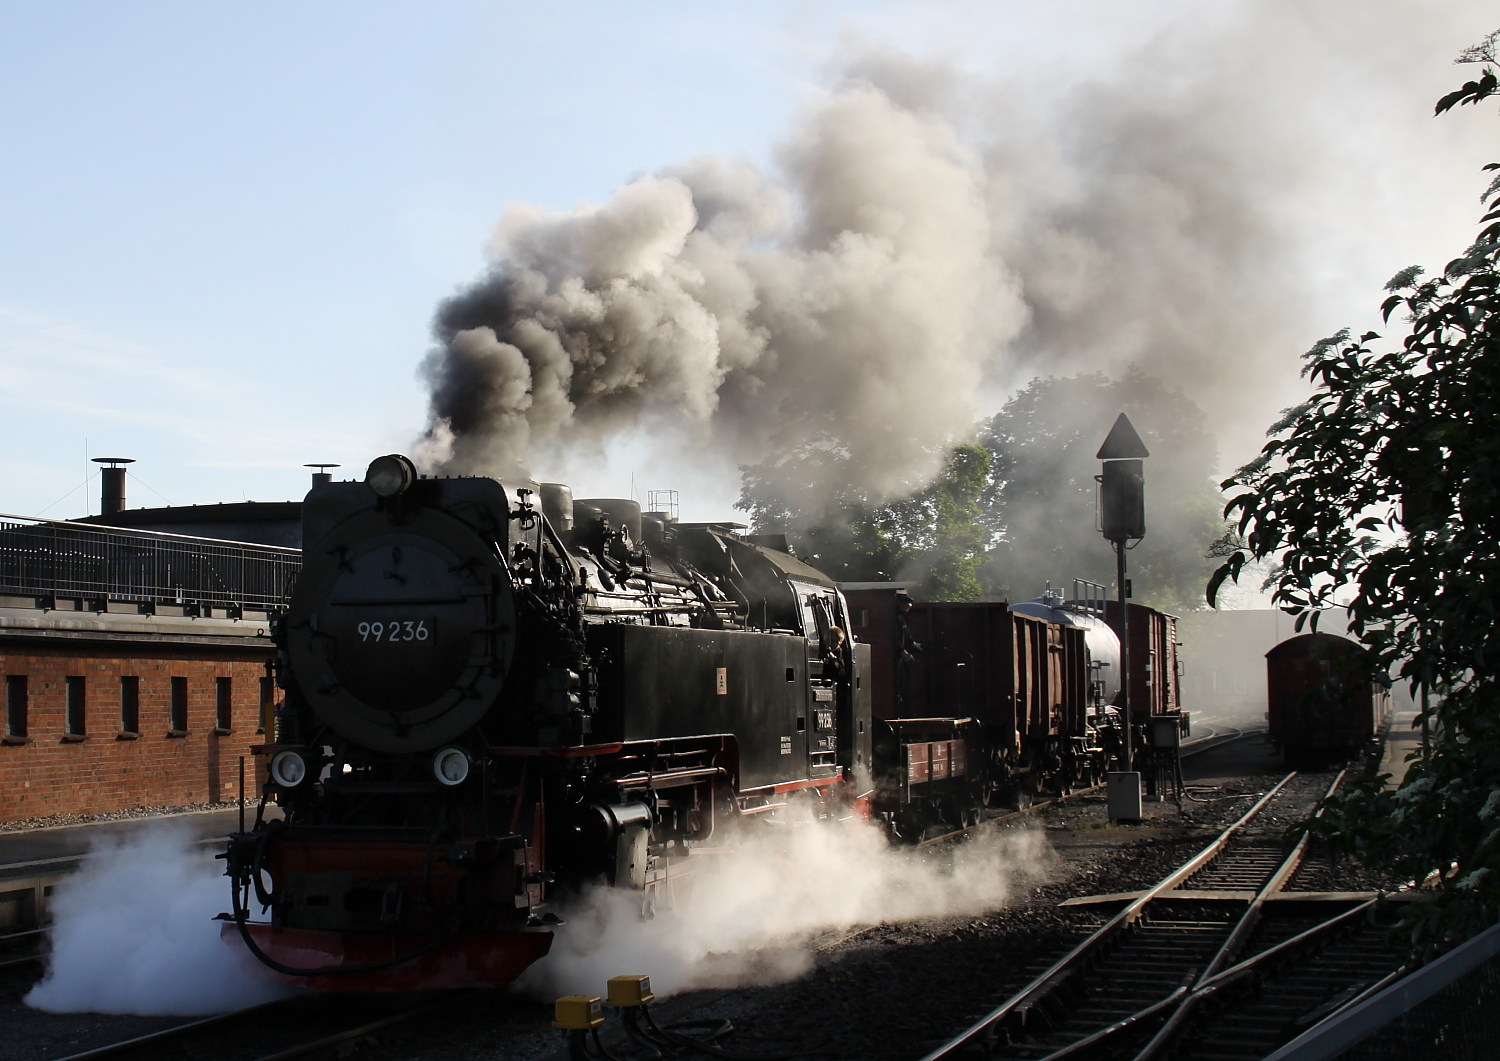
(53, 558)
(1208, 982)
(1074, 959)
(1193, 747)
(151, 1044)
(153, 1039)
(1363, 1016)
(1207, 951)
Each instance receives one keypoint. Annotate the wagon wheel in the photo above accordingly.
(910, 824)
(992, 790)
(1027, 787)
(974, 795)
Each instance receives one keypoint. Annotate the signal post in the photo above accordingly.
(1122, 520)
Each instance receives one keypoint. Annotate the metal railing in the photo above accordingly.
(51, 558)
(1341, 1033)
(1088, 597)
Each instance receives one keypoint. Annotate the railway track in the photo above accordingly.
(1217, 960)
(10, 942)
(1216, 739)
(312, 1025)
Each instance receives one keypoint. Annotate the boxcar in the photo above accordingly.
(1154, 686)
(975, 704)
(1322, 699)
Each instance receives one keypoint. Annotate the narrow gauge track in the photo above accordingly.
(1194, 968)
(313, 1024)
(1208, 743)
(1217, 739)
(31, 937)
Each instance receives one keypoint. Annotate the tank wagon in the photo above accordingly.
(1322, 700)
(495, 693)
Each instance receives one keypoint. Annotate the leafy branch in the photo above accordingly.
(1382, 491)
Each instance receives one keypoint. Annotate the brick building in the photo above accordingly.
(134, 666)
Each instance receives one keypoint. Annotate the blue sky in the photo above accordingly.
(224, 228)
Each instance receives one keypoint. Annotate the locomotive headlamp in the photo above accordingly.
(390, 475)
(289, 769)
(450, 766)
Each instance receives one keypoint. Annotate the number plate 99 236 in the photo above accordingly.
(392, 630)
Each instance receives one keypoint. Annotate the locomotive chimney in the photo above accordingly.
(321, 476)
(112, 484)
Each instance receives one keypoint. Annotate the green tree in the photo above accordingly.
(1382, 490)
(934, 535)
(946, 541)
(1041, 498)
(839, 532)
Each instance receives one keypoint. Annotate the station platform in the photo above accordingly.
(52, 845)
(34, 861)
(1400, 742)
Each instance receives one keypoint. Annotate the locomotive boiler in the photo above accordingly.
(494, 694)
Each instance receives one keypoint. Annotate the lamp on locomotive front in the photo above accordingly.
(1122, 520)
(390, 475)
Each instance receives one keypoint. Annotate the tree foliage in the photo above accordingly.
(1016, 510)
(934, 535)
(1382, 490)
(951, 546)
(1041, 498)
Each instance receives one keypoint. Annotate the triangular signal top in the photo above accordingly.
(1123, 443)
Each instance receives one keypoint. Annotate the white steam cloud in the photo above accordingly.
(931, 239)
(133, 932)
(751, 917)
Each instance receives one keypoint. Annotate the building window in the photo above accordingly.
(77, 707)
(15, 706)
(179, 705)
(130, 705)
(224, 704)
(267, 706)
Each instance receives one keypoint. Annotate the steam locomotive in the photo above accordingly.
(495, 694)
